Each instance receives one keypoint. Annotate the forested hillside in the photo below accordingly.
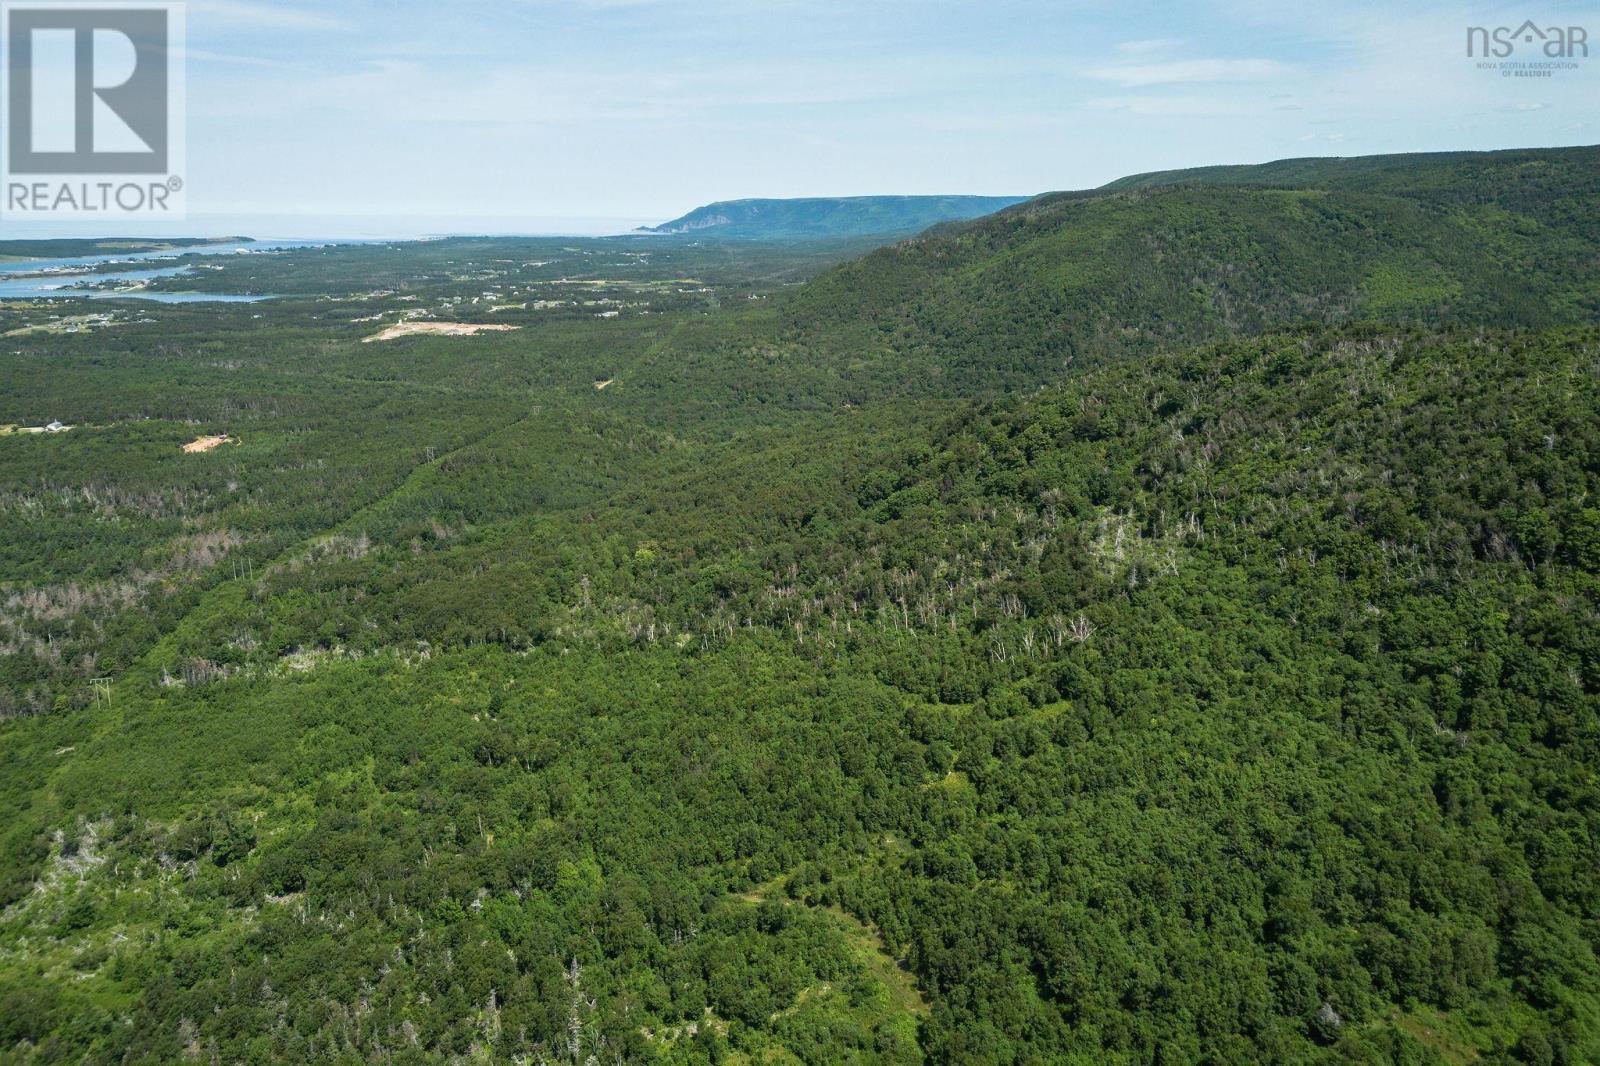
(1176, 656)
(1076, 278)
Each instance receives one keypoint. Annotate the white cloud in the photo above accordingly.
(261, 16)
(1148, 46)
(571, 94)
(206, 56)
(1185, 105)
(1189, 71)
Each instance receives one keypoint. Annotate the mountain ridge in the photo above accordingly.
(828, 216)
(1332, 171)
(1013, 299)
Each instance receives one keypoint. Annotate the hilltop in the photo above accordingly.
(829, 217)
(1494, 175)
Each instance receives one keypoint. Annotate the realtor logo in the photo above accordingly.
(92, 91)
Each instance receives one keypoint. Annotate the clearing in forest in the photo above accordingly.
(205, 444)
(440, 329)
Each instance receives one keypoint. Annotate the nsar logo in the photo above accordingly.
(1529, 50)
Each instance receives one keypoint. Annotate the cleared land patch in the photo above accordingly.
(439, 329)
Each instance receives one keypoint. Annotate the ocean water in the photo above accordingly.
(34, 279)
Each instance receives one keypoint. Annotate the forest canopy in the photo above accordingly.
(1155, 625)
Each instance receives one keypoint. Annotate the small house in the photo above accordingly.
(54, 427)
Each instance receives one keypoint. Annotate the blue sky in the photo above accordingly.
(641, 109)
